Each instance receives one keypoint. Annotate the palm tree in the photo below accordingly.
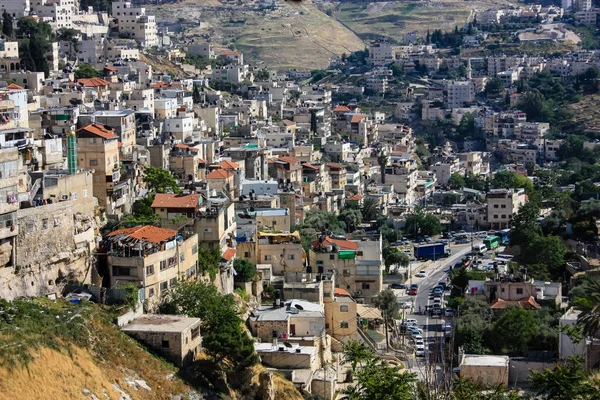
(382, 160)
(590, 317)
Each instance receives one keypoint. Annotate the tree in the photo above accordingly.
(375, 378)
(387, 302)
(589, 80)
(391, 257)
(466, 128)
(223, 336)
(566, 381)
(208, 258)
(524, 225)
(549, 251)
(493, 87)
(70, 36)
(535, 106)
(421, 223)
(7, 24)
(514, 330)
(589, 302)
(38, 36)
(160, 181)
(509, 179)
(456, 181)
(245, 270)
(351, 218)
(370, 210)
(382, 160)
(86, 71)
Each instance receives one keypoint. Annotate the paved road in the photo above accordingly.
(432, 326)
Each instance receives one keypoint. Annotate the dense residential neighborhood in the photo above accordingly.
(418, 220)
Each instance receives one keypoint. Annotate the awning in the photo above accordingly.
(368, 312)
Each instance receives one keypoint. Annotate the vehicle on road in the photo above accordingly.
(397, 286)
(437, 301)
(438, 290)
(447, 329)
(427, 238)
(448, 312)
(442, 284)
(414, 290)
(410, 321)
(480, 249)
(431, 251)
(503, 235)
(420, 351)
(407, 305)
(395, 244)
(421, 274)
(417, 337)
(492, 242)
(481, 235)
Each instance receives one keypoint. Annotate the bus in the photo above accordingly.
(503, 235)
(492, 242)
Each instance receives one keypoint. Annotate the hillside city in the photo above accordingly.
(417, 220)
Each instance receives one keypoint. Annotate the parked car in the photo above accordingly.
(448, 312)
(420, 351)
(438, 290)
(427, 238)
(411, 321)
(398, 286)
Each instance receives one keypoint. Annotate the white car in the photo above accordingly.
(410, 321)
(437, 301)
(407, 305)
(420, 351)
(419, 343)
(421, 274)
(416, 331)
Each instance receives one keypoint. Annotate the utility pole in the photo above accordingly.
(387, 343)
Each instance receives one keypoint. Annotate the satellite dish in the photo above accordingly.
(298, 306)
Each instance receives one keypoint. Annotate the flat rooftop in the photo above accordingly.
(160, 323)
(269, 348)
(485, 361)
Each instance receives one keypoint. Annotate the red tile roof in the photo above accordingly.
(341, 292)
(307, 165)
(335, 165)
(288, 160)
(228, 255)
(93, 82)
(527, 303)
(341, 244)
(14, 86)
(159, 85)
(146, 233)
(99, 130)
(176, 201)
(109, 68)
(357, 118)
(231, 53)
(341, 109)
(287, 122)
(356, 197)
(219, 174)
(227, 165)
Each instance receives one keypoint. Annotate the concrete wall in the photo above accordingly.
(520, 369)
(485, 376)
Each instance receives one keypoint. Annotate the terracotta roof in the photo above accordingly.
(228, 255)
(288, 160)
(109, 68)
(99, 130)
(159, 85)
(287, 122)
(341, 292)
(357, 118)
(93, 82)
(181, 146)
(527, 303)
(356, 197)
(341, 244)
(335, 165)
(176, 201)
(146, 233)
(307, 165)
(231, 53)
(226, 164)
(341, 109)
(219, 174)
(14, 86)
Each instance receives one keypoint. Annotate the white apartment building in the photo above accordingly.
(133, 22)
(502, 205)
(382, 53)
(460, 92)
(58, 13)
(181, 128)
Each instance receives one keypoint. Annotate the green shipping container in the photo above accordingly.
(346, 255)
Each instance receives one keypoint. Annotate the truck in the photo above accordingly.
(431, 251)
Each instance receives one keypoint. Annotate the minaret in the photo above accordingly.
(469, 69)
(72, 152)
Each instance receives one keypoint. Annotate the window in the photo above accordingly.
(182, 257)
(346, 272)
(495, 205)
(93, 163)
(344, 325)
(30, 226)
(274, 223)
(519, 290)
(495, 215)
(165, 344)
(149, 270)
(194, 249)
(246, 254)
(290, 257)
(268, 257)
(366, 285)
(164, 286)
(207, 230)
(359, 253)
(327, 294)
(73, 195)
(173, 282)
(56, 221)
(332, 256)
(326, 325)
(151, 292)
(84, 193)
(344, 308)
(503, 216)
(45, 223)
(195, 332)
(503, 206)
(121, 271)
(163, 265)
